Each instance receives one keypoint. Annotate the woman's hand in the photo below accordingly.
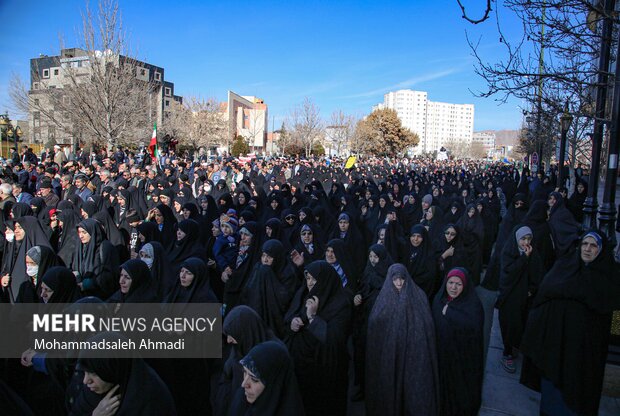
(312, 306)
(357, 300)
(297, 258)
(6, 280)
(296, 324)
(108, 406)
(27, 357)
(448, 253)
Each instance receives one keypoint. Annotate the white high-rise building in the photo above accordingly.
(437, 124)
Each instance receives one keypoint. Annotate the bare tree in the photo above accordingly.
(257, 127)
(340, 130)
(306, 124)
(101, 91)
(177, 120)
(196, 123)
(553, 60)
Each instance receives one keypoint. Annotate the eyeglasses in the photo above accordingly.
(290, 218)
(305, 233)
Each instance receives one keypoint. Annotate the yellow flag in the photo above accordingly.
(350, 162)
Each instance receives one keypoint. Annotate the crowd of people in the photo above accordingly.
(336, 285)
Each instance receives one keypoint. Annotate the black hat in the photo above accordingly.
(46, 184)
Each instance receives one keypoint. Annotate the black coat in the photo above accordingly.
(568, 328)
(460, 350)
(519, 279)
(319, 348)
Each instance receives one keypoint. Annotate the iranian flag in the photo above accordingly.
(153, 149)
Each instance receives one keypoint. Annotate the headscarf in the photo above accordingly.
(68, 239)
(142, 289)
(199, 291)
(271, 364)
(141, 390)
(62, 281)
(459, 326)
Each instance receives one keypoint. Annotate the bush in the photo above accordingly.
(294, 149)
(318, 150)
(239, 147)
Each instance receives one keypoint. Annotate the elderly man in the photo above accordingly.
(48, 195)
(21, 195)
(67, 186)
(6, 195)
(106, 180)
(59, 155)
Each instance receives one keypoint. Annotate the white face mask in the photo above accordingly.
(148, 261)
(10, 237)
(32, 270)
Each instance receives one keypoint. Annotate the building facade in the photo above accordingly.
(49, 72)
(485, 139)
(437, 124)
(248, 117)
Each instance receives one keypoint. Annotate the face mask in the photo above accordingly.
(10, 237)
(32, 270)
(148, 261)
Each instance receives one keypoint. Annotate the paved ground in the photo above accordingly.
(502, 394)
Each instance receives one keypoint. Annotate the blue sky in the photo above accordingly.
(344, 55)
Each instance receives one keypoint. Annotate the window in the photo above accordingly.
(35, 85)
(51, 131)
(55, 72)
(46, 73)
(36, 101)
(157, 76)
(167, 90)
(167, 103)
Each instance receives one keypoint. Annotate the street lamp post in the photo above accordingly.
(565, 122)
(529, 119)
(590, 205)
(608, 213)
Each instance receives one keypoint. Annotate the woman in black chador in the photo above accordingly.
(25, 233)
(401, 357)
(136, 284)
(371, 283)
(567, 333)
(95, 260)
(449, 251)
(269, 387)
(318, 324)
(271, 286)
(243, 329)
(521, 272)
(472, 233)
(122, 386)
(459, 321)
(421, 263)
(514, 216)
